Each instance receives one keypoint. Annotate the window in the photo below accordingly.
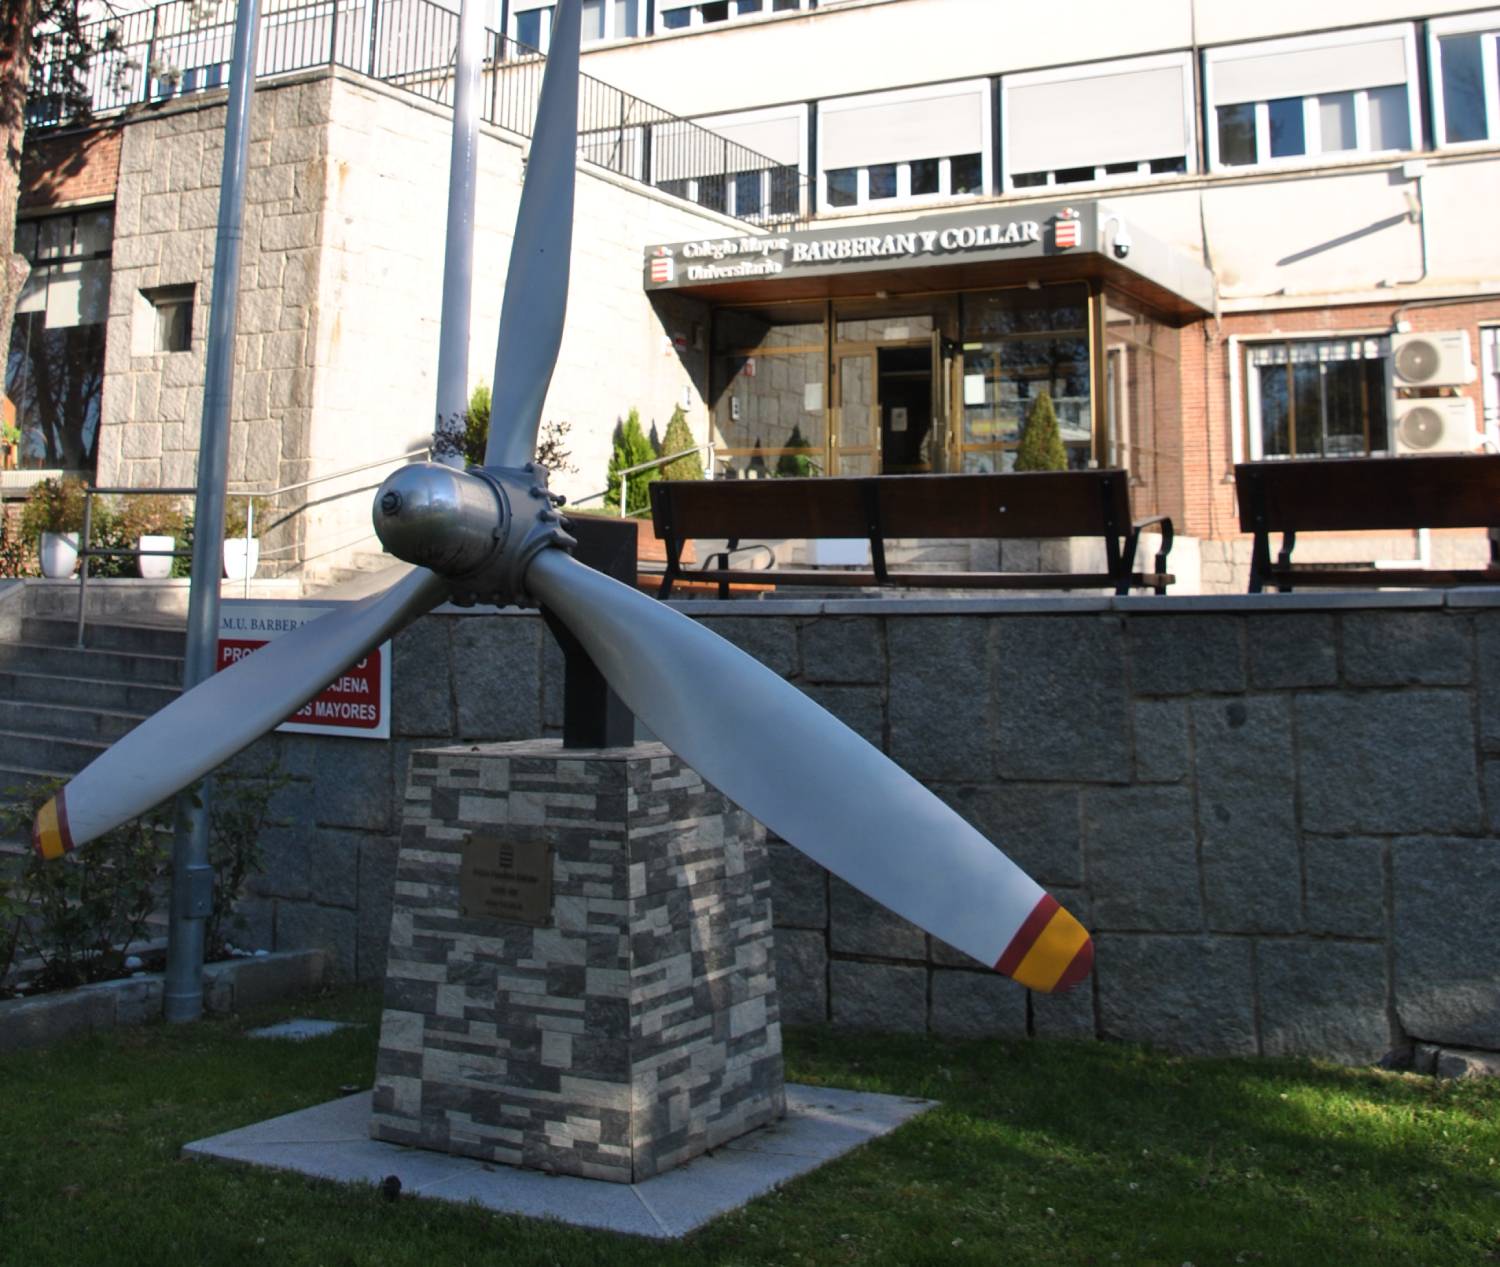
(531, 21)
(923, 177)
(532, 26)
(748, 164)
(679, 15)
(905, 146)
(172, 313)
(55, 367)
(1285, 101)
(1018, 344)
(1318, 397)
(1053, 128)
(1489, 357)
(769, 406)
(1465, 57)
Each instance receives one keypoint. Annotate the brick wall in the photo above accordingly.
(1280, 815)
(1208, 499)
(73, 167)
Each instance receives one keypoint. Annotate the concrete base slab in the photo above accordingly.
(300, 1030)
(331, 1141)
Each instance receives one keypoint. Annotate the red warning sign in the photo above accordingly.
(357, 703)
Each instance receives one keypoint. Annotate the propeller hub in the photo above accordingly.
(478, 528)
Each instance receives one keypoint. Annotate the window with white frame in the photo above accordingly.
(1285, 101)
(1464, 53)
(1114, 121)
(531, 21)
(747, 164)
(911, 145)
(1489, 355)
(1318, 397)
(679, 15)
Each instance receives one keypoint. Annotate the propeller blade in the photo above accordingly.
(812, 780)
(458, 252)
(206, 726)
(536, 287)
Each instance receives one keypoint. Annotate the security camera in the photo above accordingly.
(1122, 242)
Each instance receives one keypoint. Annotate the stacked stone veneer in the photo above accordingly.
(640, 1027)
(1280, 814)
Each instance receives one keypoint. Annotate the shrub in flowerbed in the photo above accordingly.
(76, 920)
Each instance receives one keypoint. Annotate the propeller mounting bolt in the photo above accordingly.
(390, 504)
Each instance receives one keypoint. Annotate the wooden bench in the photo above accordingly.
(1364, 494)
(1043, 504)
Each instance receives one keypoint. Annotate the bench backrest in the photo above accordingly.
(1354, 494)
(1025, 504)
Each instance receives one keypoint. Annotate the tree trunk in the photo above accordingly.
(17, 18)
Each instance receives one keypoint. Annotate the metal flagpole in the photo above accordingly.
(192, 875)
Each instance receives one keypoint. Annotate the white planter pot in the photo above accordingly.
(241, 557)
(59, 554)
(155, 567)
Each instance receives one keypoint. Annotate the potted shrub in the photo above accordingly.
(243, 516)
(10, 445)
(51, 522)
(154, 521)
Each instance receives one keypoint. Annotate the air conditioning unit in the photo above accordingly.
(1432, 360)
(1438, 424)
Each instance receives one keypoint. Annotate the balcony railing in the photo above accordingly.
(154, 55)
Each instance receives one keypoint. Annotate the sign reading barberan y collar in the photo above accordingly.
(1025, 233)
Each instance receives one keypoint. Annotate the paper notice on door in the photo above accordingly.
(898, 417)
(974, 389)
(812, 397)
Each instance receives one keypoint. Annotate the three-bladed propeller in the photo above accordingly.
(493, 534)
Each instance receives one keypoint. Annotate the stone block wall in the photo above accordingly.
(1280, 814)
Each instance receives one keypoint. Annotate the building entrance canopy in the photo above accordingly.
(995, 246)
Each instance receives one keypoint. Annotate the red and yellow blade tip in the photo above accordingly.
(1051, 951)
(49, 833)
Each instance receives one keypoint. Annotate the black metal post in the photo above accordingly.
(593, 715)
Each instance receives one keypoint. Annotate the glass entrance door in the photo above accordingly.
(856, 430)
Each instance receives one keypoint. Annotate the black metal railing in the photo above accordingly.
(153, 55)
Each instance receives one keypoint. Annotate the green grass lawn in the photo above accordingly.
(1040, 1153)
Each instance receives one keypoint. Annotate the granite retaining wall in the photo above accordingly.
(1279, 814)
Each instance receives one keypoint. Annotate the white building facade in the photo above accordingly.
(1209, 233)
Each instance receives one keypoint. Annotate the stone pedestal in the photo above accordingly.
(636, 1024)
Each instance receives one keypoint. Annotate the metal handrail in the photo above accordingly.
(645, 466)
(86, 551)
(153, 55)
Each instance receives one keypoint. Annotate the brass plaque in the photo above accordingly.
(507, 880)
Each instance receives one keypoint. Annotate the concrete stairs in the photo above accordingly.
(61, 706)
(358, 571)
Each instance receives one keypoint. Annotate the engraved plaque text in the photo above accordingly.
(506, 880)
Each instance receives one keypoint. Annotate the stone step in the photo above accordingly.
(125, 697)
(66, 721)
(16, 774)
(120, 666)
(28, 751)
(148, 639)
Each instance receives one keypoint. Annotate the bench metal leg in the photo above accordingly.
(674, 566)
(1284, 560)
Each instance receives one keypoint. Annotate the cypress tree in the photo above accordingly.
(1041, 447)
(793, 464)
(631, 449)
(679, 437)
(477, 425)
